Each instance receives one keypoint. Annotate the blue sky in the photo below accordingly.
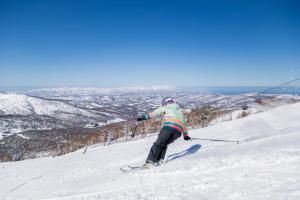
(128, 43)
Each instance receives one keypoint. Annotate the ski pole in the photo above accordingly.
(216, 140)
(134, 130)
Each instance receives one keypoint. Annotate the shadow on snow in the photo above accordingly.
(191, 150)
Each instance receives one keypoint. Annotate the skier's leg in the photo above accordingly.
(158, 146)
(153, 154)
(163, 154)
(174, 136)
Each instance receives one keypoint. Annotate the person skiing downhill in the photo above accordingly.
(174, 125)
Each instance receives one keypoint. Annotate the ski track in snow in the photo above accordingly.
(264, 165)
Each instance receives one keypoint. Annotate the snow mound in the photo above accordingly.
(264, 165)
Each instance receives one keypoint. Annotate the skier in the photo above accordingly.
(174, 125)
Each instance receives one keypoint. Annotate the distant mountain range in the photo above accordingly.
(53, 108)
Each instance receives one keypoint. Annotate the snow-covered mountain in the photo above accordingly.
(18, 104)
(55, 108)
(20, 112)
(263, 165)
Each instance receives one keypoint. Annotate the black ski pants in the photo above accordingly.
(158, 150)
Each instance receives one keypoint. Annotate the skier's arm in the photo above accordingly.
(152, 115)
(185, 131)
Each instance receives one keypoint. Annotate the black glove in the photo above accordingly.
(140, 119)
(186, 137)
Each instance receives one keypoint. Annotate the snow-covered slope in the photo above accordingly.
(264, 165)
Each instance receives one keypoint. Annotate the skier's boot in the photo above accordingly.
(160, 162)
(148, 164)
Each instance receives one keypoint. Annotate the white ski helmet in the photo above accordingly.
(167, 100)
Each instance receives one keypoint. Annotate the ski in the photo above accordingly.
(125, 170)
(136, 167)
(130, 168)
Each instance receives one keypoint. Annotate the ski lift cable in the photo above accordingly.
(265, 91)
(278, 86)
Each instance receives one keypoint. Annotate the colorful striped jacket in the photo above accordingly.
(172, 117)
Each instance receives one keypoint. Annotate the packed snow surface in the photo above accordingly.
(263, 165)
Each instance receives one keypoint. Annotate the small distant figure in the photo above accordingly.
(245, 107)
(174, 125)
(259, 101)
